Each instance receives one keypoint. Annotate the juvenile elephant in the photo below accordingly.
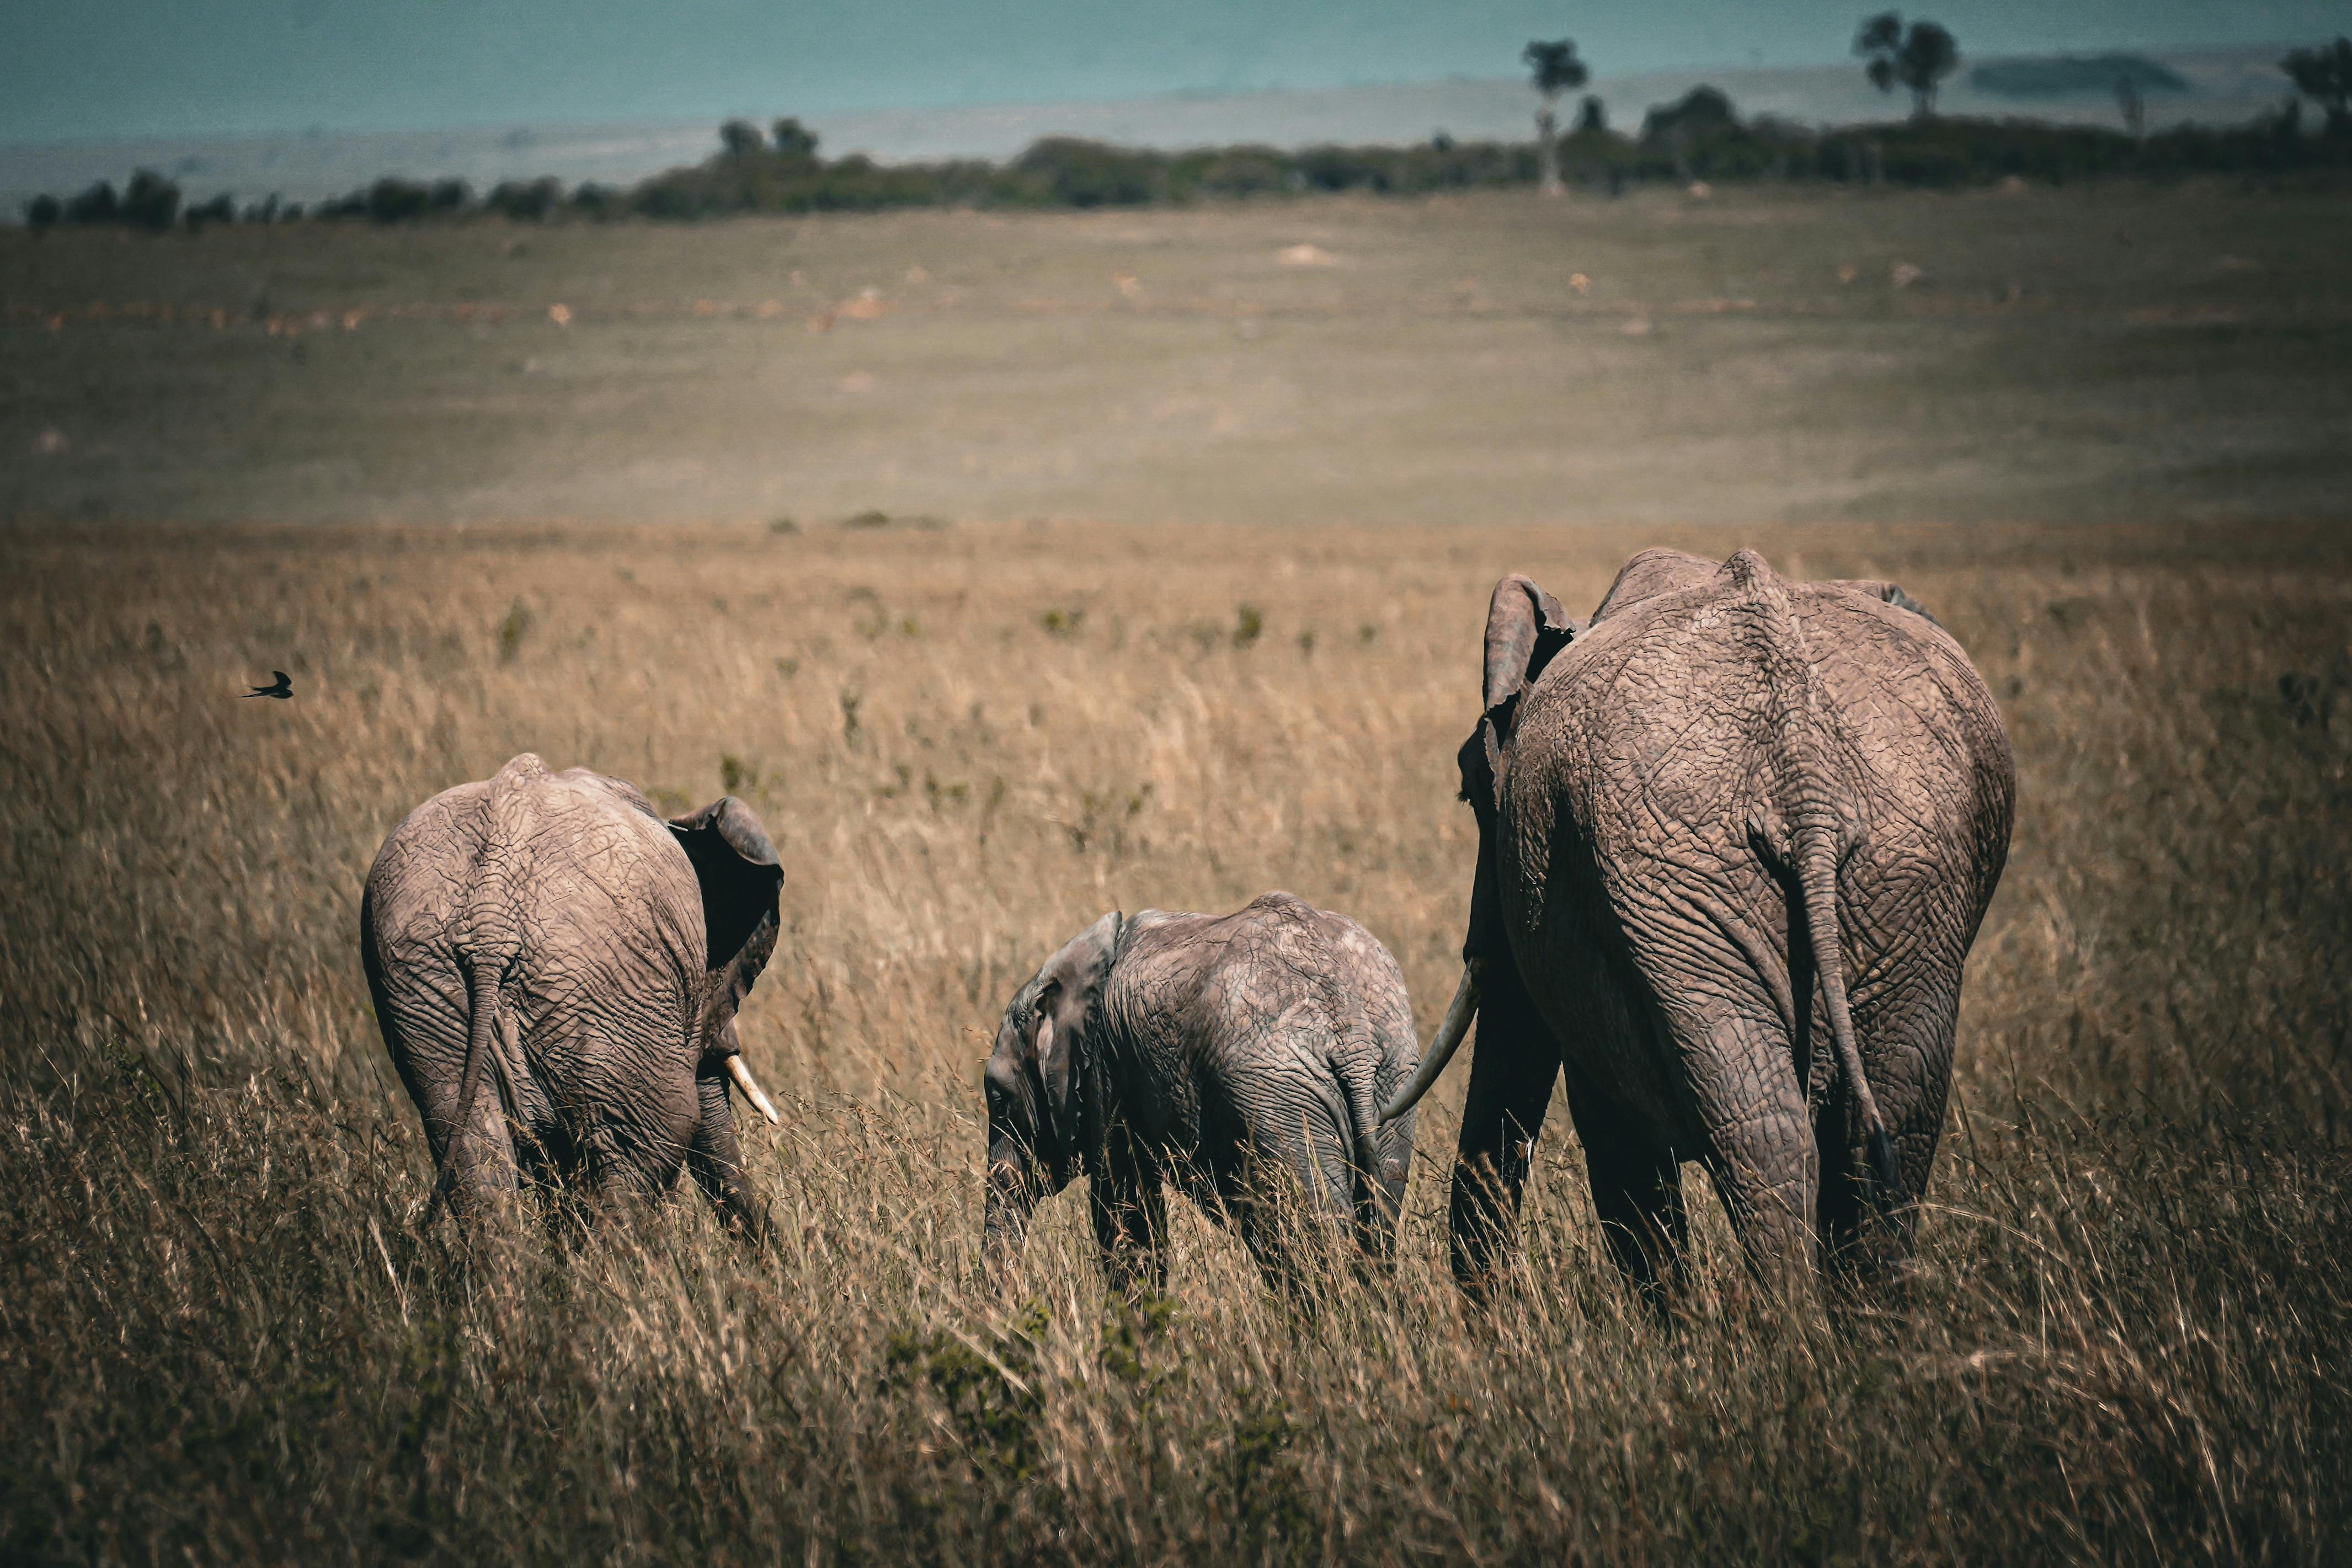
(556, 972)
(1242, 1057)
(1734, 839)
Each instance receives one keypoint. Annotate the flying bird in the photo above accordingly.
(283, 691)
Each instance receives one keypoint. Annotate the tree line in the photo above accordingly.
(1700, 136)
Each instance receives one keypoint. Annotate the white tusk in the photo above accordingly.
(1441, 1048)
(741, 1073)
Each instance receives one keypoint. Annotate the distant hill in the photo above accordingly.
(2062, 76)
(2217, 88)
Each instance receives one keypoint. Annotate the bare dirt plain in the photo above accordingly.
(2111, 354)
(222, 1335)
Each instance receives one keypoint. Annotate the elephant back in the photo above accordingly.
(577, 898)
(1669, 751)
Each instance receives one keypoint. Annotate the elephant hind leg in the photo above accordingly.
(1287, 1183)
(1865, 1251)
(1380, 1197)
(1759, 1143)
(474, 1154)
(459, 1101)
(1637, 1194)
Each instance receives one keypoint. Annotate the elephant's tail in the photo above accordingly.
(482, 989)
(1353, 1060)
(1363, 1128)
(1813, 837)
(1817, 867)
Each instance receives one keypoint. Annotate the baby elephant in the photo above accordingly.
(1244, 1056)
(556, 972)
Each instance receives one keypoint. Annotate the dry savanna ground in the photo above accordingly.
(224, 1335)
(2116, 353)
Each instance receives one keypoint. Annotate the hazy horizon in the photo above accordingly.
(119, 70)
(2220, 86)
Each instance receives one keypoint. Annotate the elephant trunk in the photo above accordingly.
(1442, 1048)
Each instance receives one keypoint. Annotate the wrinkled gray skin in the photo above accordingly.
(1243, 1057)
(556, 972)
(1735, 837)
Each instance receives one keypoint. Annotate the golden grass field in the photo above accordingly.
(226, 1337)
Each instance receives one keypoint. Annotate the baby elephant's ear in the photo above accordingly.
(737, 867)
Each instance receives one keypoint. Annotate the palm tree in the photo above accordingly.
(1919, 56)
(1556, 70)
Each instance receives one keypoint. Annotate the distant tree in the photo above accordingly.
(221, 209)
(263, 211)
(1701, 115)
(42, 213)
(151, 202)
(1555, 68)
(1592, 117)
(740, 137)
(1918, 57)
(526, 201)
(793, 139)
(1080, 173)
(2324, 75)
(1703, 110)
(449, 196)
(97, 205)
(593, 199)
(391, 200)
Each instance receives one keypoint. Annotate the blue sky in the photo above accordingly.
(76, 70)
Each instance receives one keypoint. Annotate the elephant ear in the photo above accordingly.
(740, 877)
(1064, 1046)
(1525, 628)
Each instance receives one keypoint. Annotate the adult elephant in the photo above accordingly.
(556, 972)
(1734, 839)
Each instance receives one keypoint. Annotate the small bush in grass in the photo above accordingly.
(513, 630)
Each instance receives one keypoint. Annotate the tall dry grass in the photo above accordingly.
(222, 1336)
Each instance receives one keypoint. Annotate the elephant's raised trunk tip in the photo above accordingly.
(738, 1070)
(1441, 1048)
